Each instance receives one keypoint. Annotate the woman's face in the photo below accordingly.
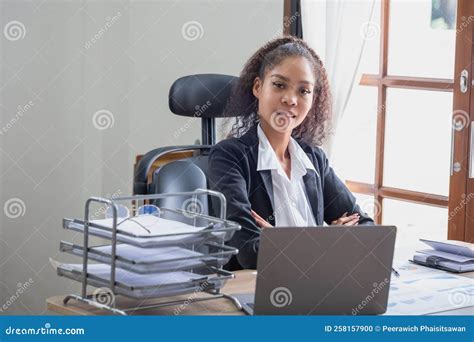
(285, 95)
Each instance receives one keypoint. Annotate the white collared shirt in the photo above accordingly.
(292, 208)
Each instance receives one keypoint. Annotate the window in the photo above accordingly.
(400, 117)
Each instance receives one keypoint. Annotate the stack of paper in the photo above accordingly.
(146, 260)
(143, 231)
(131, 279)
(450, 255)
(148, 225)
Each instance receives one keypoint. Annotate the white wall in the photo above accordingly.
(52, 157)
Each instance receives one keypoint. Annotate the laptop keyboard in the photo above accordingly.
(250, 305)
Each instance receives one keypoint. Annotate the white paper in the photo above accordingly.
(422, 290)
(142, 242)
(149, 255)
(127, 278)
(158, 228)
(146, 225)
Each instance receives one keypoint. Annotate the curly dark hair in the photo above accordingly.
(244, 105)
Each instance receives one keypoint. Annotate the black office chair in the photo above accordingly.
(187, 97)
(181, 176)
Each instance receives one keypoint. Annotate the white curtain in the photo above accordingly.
(337, 30)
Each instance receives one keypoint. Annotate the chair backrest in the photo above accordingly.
(181, 176)
(202, 96)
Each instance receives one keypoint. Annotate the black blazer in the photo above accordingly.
(233, 171)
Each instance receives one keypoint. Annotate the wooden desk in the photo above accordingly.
(244, 282)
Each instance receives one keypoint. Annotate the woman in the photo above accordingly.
(271, 171)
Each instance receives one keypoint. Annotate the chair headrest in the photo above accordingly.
(201, 95)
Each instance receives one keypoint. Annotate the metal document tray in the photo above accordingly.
(148, 241)
(146, 286)
(155, 260)
(141, 274)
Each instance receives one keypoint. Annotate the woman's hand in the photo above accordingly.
(344, 220)
(260, 221)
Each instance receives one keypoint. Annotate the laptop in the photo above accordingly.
(336, 270)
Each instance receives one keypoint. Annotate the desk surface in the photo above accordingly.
(244, 282)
